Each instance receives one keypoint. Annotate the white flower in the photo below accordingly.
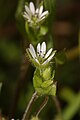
(41, 57)
(33, 15)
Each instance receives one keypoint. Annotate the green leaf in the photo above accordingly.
(37, 80)
(53, 90)
(40, 91)
(46, 84)
(42, 86)
(49, 90)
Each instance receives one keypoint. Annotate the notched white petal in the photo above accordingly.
(38, 48)
(27, 10)
(37, 10)
(32, 51)
(41, 19)
(43, 48)
(51, 56)
(40, 10)
(37, 61)
(26, 16)
(49, 59)
(48, 53)
(45, 62)
(32, 7)
(44, 14)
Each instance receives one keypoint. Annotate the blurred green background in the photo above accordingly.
(16, 72)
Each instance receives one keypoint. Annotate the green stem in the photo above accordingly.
(42, 106)
(28, 109)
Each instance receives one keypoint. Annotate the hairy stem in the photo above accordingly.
(28, 109)
(42, 105)
(57, 104)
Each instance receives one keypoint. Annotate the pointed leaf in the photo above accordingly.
(46, 84)
(37, 80)
(53, 90)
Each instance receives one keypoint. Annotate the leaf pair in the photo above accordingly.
(43, 82)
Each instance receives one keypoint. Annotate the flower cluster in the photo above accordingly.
(34, 16)
(41, 58)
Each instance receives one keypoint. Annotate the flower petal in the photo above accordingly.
(37, 61)
(26, 16)
(44, 14)
(32, 7)
(27, 10)
(40, 10)
(43, 49)
(32, 51)
(48, 53)
(40, 19)
(37, 10)
(38, 48)
(49, 59)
